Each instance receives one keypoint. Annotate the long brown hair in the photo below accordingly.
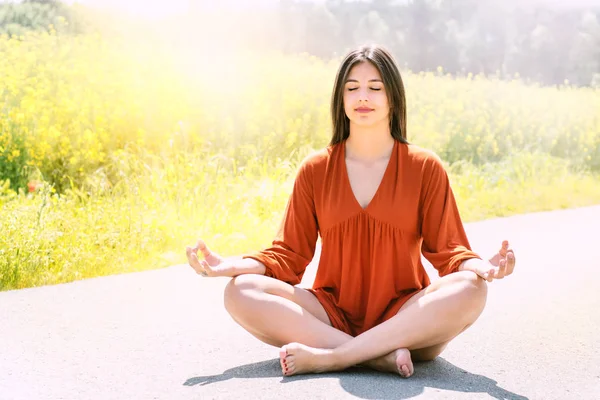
(392, 81)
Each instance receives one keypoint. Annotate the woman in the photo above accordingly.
(377, 202)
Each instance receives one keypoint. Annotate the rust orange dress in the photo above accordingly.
(370, 262)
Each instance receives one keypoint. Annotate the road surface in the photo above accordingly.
(164, 334)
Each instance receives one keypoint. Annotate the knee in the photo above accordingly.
(238, 290)
(474, 288)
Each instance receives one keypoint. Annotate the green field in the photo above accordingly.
(133, 151)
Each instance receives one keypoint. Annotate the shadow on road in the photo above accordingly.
(263, 369)
(368, 384)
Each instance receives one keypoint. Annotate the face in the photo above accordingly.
(365, 99)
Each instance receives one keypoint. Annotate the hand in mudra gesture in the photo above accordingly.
(499, 265)
(211, 265)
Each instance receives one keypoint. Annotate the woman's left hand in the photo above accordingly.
(500, 265)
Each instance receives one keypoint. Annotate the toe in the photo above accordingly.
(290, 370)
(404, 371)
(282, 356)
(401, 370)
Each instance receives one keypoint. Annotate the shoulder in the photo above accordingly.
(423, 159)
(316, 158)
(425, 165)
(422, 156)
(312, 167)
(317, 161)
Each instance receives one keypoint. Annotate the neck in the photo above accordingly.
(368, 144)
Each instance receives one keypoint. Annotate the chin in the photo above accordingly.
(367, 122)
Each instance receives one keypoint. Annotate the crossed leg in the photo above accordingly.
(292, 318)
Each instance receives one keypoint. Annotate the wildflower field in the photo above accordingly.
(115, 155)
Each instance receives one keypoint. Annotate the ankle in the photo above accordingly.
(335, 360)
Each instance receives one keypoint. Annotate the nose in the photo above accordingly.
(363, 95)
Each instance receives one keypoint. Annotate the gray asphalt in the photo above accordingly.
(164, 334)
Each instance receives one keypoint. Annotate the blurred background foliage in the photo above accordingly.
(540, 40)
(122, 139)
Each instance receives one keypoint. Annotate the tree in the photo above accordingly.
(420, 40)
(18, 18)
(372, 29)
(324, 31)
(584, 57)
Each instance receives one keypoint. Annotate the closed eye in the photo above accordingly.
(375, 89)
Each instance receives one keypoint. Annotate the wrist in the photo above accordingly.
(248, 266)
(470, 265)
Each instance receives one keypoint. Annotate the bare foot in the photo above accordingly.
(296, 358)
(398, 362)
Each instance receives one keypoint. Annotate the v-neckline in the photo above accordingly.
(383, 178)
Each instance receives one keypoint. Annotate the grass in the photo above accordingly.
(145, 222)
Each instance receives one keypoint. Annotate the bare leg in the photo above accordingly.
(277, 314)
(435, 317)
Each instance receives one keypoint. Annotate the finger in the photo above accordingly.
(197, 264)
(504, 248)
(489, 274)
(188, 253)
(199, 244)
(193, 261)
(203, 248)
(510, 262)
(209, 271)
(484, 274)
(501, 269)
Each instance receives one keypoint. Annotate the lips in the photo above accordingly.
(364, 109)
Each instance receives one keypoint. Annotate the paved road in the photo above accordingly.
(165, 335)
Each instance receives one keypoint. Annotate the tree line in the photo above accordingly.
(545, 43)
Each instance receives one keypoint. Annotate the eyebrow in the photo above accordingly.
(372, 80)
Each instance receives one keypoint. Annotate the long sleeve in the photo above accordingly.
(445, 242)
(294, 245)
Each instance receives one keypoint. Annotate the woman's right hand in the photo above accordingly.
(211, 265)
